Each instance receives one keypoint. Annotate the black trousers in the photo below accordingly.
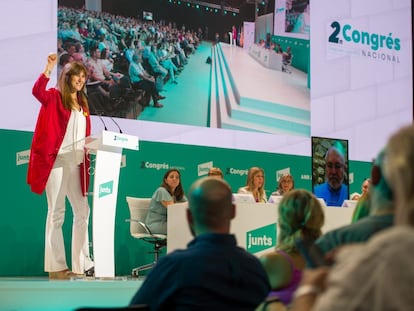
(148, 87)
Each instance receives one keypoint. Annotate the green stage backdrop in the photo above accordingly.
(22, 224)
(300, 50)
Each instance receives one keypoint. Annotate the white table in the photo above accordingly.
(255, 225)
(267, 57)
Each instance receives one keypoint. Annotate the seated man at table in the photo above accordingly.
(213, 273)
(333, 190)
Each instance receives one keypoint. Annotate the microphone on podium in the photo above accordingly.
(103, 122)
(117, 125)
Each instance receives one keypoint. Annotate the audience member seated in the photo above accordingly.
(355, 196)
(362, 207)
(255, 184)
(64, 59)
(107, 61)
(333, 190)
(278, 49)
(179, 52)
(365, 186)
(140, 79)
(98, 71)
(287, 55)
(170, 192)
(262, 43)
(213, 273)
(286, 58)
(165, 60)
(376, 275)
(300, 216)
(380, 218)
(123, 99)
(149, 55)
(117, 33)
(188, 43)
(268, 41)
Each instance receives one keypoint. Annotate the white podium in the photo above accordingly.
(108, 148)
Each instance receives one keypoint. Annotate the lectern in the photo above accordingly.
(108, 148)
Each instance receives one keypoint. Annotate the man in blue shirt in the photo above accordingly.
(333, 190)
(213, 273)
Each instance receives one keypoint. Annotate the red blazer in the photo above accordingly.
(48, 137)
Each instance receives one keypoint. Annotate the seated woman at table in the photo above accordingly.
(300, 216)
(170, 192)
(215, 172)
(286, 184)
(255, 184)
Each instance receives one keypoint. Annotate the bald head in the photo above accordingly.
(210, 206)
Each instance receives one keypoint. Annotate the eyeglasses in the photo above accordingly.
(334, 165)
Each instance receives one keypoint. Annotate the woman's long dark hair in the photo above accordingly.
(65, 87)
(178, 193)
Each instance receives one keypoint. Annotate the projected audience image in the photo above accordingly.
(149, 65)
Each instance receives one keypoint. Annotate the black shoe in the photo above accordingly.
(90, 271)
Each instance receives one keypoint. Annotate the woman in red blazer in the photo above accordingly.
(59, 164)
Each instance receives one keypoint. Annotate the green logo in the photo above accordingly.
(106, 188)
(260, 239)
(375, 41)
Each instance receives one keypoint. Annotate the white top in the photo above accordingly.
(72, 148)
(243, 190)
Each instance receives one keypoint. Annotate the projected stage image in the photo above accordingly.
(201, 76)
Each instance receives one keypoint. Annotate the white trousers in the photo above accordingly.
(64, 182)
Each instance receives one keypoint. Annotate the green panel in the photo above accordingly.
(23, 218)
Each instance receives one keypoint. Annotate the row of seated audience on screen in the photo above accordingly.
(365, 266)
(108, 53)
(108, 90)
(117, 32)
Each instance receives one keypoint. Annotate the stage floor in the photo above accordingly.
(254, 80)
(40, 293)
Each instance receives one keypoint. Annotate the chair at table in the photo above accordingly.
(138, 209)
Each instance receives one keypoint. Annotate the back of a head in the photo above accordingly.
(399, 171)
(210, 203)
(381, 195)
(300, 215)
(135, 58)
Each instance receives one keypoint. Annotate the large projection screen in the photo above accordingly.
(357, 92)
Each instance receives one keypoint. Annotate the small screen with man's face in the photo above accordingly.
(330, 170)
